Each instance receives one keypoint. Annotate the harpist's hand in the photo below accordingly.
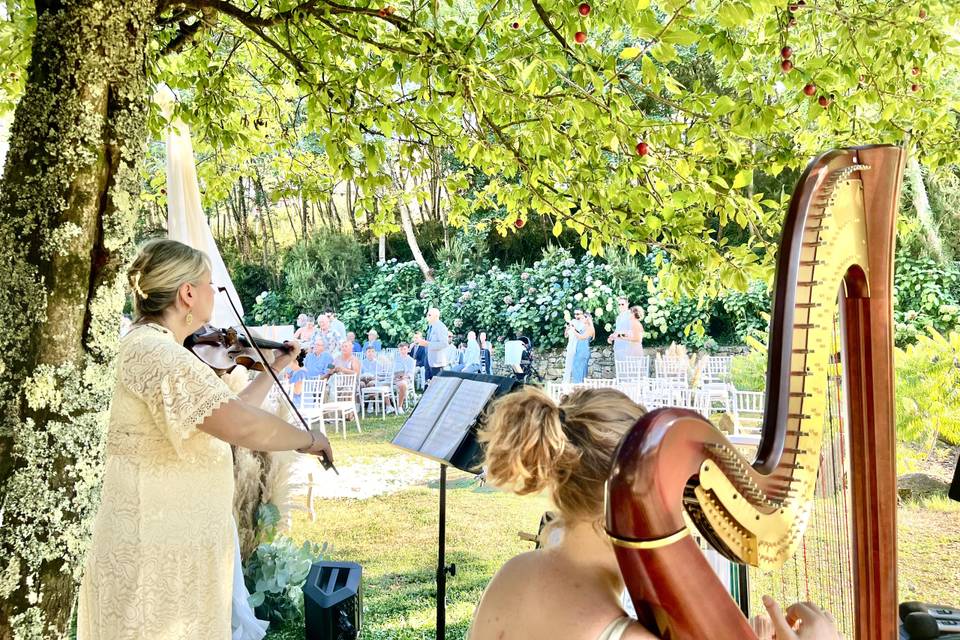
(804, 621)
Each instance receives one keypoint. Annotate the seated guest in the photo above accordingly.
(295, 377)
(336, 325)
(368, 376)
(368, 367)
(404, 368)
(571, 589)
(471, 355)
(417, 351)
(318, 361)
(454, 360)
(306, 330)
(486, 354)
(346, 362)
(373, 341)
(352, 339)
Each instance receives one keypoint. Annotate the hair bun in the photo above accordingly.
(525, 442)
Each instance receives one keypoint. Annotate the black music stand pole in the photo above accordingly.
(442, 568)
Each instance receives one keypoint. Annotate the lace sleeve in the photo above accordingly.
(178, 390)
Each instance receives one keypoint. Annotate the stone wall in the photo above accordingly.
(550, 362)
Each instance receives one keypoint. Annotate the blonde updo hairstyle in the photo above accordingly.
(528, 448)
(161, 267)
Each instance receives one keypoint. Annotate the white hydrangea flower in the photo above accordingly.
(578, 296)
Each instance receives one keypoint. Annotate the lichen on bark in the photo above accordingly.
(66, 220)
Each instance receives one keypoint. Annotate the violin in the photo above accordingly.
(224, 349)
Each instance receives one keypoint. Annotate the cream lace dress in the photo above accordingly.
(160, 566)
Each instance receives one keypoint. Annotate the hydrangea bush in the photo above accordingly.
(392, 297)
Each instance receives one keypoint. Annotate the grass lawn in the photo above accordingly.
(394, 538)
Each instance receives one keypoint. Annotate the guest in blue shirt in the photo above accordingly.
(318, 361)
(352, 339)
(404, 368)
(373, 341)
(296, 376)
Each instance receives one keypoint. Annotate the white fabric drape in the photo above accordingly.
(186, 221)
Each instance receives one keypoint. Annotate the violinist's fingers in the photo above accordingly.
(292, 345)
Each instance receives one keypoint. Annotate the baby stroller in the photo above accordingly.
(523, 369)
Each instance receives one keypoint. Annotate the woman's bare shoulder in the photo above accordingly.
(636, 631)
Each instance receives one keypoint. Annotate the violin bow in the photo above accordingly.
(324, 460)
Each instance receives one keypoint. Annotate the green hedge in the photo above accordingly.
(392, 297)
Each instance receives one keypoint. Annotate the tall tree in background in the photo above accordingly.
(574, 113)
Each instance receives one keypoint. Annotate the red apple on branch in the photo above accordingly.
(787, 66)
(810, 89)
(580, 37)
(584, 9)
(643, 148)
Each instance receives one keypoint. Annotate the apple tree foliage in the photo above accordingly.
(328, 91)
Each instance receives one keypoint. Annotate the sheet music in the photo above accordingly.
(417, 427)
(457, 418)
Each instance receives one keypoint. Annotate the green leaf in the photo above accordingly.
(557, 228)
(629, 53)
(743, 178)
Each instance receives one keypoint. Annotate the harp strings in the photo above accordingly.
(821, 569)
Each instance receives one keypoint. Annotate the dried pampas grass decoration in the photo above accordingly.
(286, 482)
(280, 478)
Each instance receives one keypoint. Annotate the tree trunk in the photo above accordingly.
(351, 210)
(407, 225)
(921, 203)
(66, 223)
(293, 225)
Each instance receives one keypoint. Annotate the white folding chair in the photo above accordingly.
(676, 370)
(632, 369)
(312, 401)
(380, 391)
(420, 378)
(716, 370)
(344, 401)
(748, 409)
(599, 383)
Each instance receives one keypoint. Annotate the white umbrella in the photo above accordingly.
(186, 221)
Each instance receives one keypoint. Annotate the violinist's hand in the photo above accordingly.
(803, 621)
(320, 445)
(282, 359)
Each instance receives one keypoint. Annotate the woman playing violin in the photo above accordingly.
(161, 561)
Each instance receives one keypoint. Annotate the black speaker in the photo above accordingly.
(332, 604)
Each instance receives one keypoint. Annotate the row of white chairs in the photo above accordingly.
(714, 370)
(745, 407)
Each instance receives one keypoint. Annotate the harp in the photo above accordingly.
(825, 464)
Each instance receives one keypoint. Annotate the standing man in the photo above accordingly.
(336, 325)
(436, 342)
(331, 339)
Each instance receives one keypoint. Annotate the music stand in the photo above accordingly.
(443, 427)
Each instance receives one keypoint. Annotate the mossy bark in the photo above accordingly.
(66, 220)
